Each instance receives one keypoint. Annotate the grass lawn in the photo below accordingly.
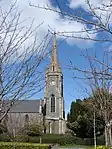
(10, 145)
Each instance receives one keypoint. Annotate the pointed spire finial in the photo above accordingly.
(54, 40)
(54, 59)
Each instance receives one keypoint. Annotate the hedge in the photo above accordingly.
(58, 139)
(53, 138)
(10, 145)
(67, 139)
(102, 147)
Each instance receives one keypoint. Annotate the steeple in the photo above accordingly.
(54, 66)
(53, 99)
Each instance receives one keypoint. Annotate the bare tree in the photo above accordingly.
(20, 128)
(14, 127)
(98, 80)
(21, 56)
(96, 21)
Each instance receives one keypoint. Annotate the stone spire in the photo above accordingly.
(54, 58)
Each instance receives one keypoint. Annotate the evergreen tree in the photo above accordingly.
(80, 120)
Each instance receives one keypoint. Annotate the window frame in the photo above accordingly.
(53, 103)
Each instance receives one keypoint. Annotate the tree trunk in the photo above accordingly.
(110, 137)
(94, 131)
(106, 136)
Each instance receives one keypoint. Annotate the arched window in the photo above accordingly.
(52, 103)
(26, 119)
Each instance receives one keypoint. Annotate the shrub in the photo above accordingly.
(101, 147)
(34, 139)
(59, 139)
(55, 138)
(4, 138)
(33, 130)
(9, 145)
(69, 139)
(22, 138)
(101, 140)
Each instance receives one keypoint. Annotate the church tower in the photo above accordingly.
(54, 101)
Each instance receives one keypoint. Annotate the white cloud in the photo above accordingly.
(100, 7)
(83, 3)
(77, 3)
(51, 19)
(109, 49)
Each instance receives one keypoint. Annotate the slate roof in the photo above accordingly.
(26, 106)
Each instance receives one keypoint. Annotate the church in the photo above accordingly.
(31, 111)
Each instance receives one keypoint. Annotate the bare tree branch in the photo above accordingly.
(21, 57)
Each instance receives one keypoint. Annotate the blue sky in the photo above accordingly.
(74, 88)
(69, 49)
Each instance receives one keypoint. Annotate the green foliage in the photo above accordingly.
(9, 145)
(33, 130)
(75, 110)
(4, 137)
(53, 138)
(59, 139)
(101, 147)
(69, 139)
(80, 120)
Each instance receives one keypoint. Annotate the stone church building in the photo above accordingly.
(53, 103)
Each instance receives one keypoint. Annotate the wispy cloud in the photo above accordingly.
(100, 7)
(50, 18)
